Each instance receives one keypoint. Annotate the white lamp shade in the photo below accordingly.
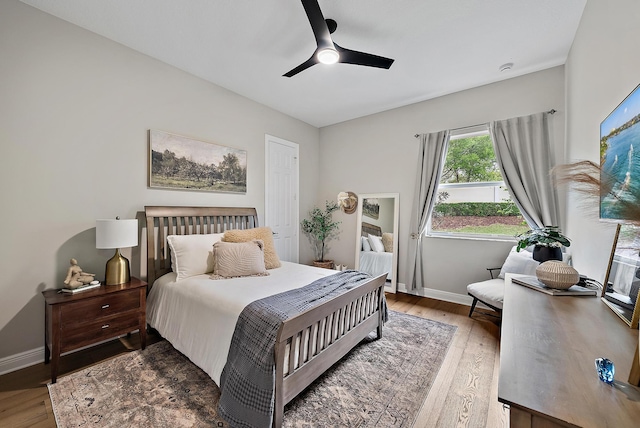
(114, 233)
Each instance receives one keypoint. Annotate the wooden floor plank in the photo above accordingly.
(498, 413)
(464, 392)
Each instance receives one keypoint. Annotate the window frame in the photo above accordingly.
(459, 134)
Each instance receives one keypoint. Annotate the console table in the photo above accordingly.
(547, 350)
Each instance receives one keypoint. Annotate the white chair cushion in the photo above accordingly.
(490, 291)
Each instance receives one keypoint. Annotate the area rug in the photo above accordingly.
(380, 383)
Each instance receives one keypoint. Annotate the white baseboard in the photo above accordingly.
(21, 360)
(445, 296)
(36, 356)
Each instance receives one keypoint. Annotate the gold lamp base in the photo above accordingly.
(117, 271)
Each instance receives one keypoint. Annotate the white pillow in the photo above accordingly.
(192, 254)
(365, 244)
(519, 262)
(376, 244)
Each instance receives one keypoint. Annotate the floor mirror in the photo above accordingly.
(377, 236)
(622, 281)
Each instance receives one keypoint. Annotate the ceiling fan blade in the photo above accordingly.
(318, 24)
(308, 63)
(349, 56)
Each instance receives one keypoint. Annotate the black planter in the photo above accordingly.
(542, 254)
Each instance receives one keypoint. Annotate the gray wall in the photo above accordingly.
(602, 69)
(378, 153)
(74, 113)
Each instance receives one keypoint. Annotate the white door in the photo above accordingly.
(281, 195)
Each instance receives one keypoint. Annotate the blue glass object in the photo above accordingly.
(605, 369)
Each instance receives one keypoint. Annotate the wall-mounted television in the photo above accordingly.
(620, 160)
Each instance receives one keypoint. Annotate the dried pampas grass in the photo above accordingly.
(587, 178)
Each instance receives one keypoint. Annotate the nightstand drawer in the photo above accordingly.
(90, 309)
(87, 333)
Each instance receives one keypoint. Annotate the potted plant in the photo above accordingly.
(547, 243)
(320, 228)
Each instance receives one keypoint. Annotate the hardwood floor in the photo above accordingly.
(464, 393)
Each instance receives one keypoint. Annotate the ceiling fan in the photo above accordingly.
(329, 52)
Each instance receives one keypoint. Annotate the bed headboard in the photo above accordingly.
(164, 221)
(371, 229)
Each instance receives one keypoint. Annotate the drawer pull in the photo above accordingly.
(105, 326)
(105, 306)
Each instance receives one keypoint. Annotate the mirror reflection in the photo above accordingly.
(623, 275)
(377, 236)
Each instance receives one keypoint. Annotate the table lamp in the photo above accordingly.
(117, 234)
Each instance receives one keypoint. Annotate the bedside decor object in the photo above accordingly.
(76, 277)
(81, 288)
(348, 202)
(547, 243)
(320, 229)
(178, 162)
(116, 234)
(606, 370)
(556, 274)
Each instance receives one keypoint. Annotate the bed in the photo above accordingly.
(371, 261)
(198, 315)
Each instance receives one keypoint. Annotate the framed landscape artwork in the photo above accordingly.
(620, 160)
(370, 208)
(178, 162)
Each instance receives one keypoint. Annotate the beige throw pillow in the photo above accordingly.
(264, 234)
(387, 242)
(235, 259)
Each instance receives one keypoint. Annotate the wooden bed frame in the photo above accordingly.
(308, 343)
(371, 229)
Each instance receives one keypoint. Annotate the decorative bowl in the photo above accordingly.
(556, 274)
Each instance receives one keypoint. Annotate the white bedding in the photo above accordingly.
(198, 315)
(376, 263)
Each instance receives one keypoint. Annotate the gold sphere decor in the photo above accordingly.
(556, 274)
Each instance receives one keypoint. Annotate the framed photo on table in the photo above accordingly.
(622, 281)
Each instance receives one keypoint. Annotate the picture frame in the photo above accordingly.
(371, 208)
(621, 288)
(620, 160)
(183, 163)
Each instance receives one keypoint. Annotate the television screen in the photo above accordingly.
(620, 160)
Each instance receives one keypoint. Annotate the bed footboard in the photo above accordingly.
(312, 341)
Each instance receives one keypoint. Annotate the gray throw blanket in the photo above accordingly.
(248, 379)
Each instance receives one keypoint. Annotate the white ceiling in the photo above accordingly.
(439, 46)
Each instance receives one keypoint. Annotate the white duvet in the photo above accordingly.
(198, 315)
(376, 263)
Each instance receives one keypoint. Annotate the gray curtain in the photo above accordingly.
(432, 153)
(525, 157)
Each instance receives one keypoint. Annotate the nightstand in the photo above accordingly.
(77, 320)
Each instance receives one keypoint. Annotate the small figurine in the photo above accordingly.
(76, 277)
(606, 370)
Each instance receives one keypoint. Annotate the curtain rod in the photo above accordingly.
(552, 111)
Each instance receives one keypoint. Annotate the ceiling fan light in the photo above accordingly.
(328, 56)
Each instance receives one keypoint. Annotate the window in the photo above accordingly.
(472, 198)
